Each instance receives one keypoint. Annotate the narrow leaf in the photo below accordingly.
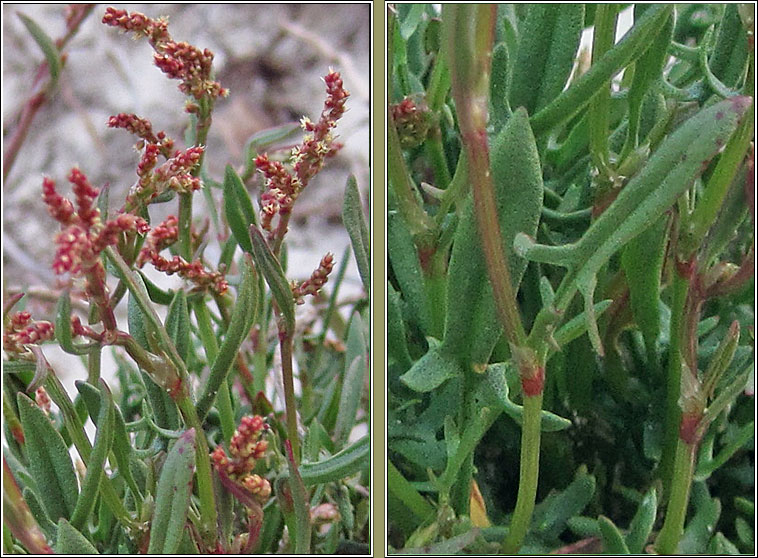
(239, 326)
(642, 523)
(52, 55)
(352, 383)
(339, 466)
(272, 271)
(95, 467)
(63, 327)
(238, 209)
(613, 542)
(355, 224)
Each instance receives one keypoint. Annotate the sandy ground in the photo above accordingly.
(272, 57)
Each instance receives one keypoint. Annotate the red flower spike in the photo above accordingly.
(161, 236)
(318, 279)
(282, 187)
(23, 331)
(246, 448)
(59, 207)
(192, 271)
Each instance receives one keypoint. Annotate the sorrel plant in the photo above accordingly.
(190, 454)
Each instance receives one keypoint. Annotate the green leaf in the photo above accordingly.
(238, 209)
(743, 435)
(95, 467)
(121, 446)
(355, 224)
(137, 322)
(339, 466)
(642, 262)
(156, 294)
(49, 461)
(272, 271)
(52, 55)
(551, 515)
(63, 327)
(71, 541)
(412, 20)
(399, 486)
(613, 542)
(397, 345)
(173, 496)
(703, 523)
(577, 325)
(406, 269)
(642, 523)
(38, 511)
(472, 327)
(432, 370)
(548, 41)
(720, 546)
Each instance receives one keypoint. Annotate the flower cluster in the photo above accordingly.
(192, 271)
(143, 129)
(412, 122)
(246, 448)
(22, 331)
(178, 60)
(174, 174)
(161, 236)
(283, 187)
(84, 234)
(318, 279)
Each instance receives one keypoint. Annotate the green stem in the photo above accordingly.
(673, 381)
(673, 525)
(185, 225)
(528, 474)
(223, 399)
(93, 365)
(470, 50)
(290, 404)
(436, 154)
(407, 494)
(409, 204)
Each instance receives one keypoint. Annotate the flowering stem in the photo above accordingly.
(285, 345)
(680, 288)
(681, 480)
(223, 399)
(93, 365)
(528, 474)
(185, 225)
(185, 198)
